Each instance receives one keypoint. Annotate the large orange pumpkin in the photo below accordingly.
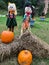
(25, 57)
(7, 36)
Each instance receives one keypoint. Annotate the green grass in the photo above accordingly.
(41, 29)
(36, 61)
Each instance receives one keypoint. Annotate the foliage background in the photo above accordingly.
(39, 5)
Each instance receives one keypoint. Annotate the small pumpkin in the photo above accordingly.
(7, 36)
(25, 57)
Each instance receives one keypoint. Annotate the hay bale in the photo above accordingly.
(38, 47)
(28, 41)
(8, 50)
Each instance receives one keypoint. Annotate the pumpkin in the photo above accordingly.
(25, 57)
(7, 36)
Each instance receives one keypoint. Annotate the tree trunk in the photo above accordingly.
(46, 6)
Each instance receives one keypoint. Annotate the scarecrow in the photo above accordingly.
(11, 17)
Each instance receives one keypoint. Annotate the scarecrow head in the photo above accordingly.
(28, 11)
(12, 8)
